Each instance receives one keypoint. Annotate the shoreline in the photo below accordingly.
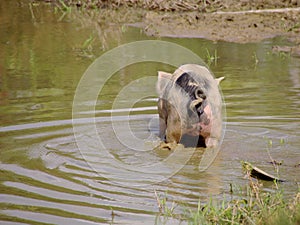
(237, 26)
(229, 20)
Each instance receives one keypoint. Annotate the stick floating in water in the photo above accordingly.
(258, 173)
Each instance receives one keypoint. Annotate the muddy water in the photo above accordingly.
(46, 178)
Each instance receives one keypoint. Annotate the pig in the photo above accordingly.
(189, 107)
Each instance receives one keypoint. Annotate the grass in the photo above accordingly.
(63, 8)
(211, 58)
(252, 206)
(256, 61)
(255, 208)
(88, 43)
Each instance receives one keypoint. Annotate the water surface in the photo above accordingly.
(45, 178)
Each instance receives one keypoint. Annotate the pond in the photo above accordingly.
(47, 178)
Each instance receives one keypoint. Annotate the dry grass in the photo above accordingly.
(184, 5)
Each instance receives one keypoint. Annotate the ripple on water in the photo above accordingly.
(54, 182)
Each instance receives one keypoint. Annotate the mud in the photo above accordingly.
(228, 20)
(239, 26)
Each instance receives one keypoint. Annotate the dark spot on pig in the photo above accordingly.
(200, 108)
(199, 93)
(190, 86)
(184, 80)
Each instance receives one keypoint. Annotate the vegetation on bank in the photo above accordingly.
(181, 5)
(233, 21)
(252, 206)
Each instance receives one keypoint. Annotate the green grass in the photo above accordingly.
(62, 8)
(256, 208)
(251, 206)
(211, 58)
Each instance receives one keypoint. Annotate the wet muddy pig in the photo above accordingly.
(189, 107)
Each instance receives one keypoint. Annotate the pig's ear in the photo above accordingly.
(163, 79)
(219, 80)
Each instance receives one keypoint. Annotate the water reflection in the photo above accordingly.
(44, 177)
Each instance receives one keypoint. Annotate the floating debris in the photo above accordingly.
(258, 173)
(276, 163)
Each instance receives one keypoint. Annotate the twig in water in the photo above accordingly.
(158, 201)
